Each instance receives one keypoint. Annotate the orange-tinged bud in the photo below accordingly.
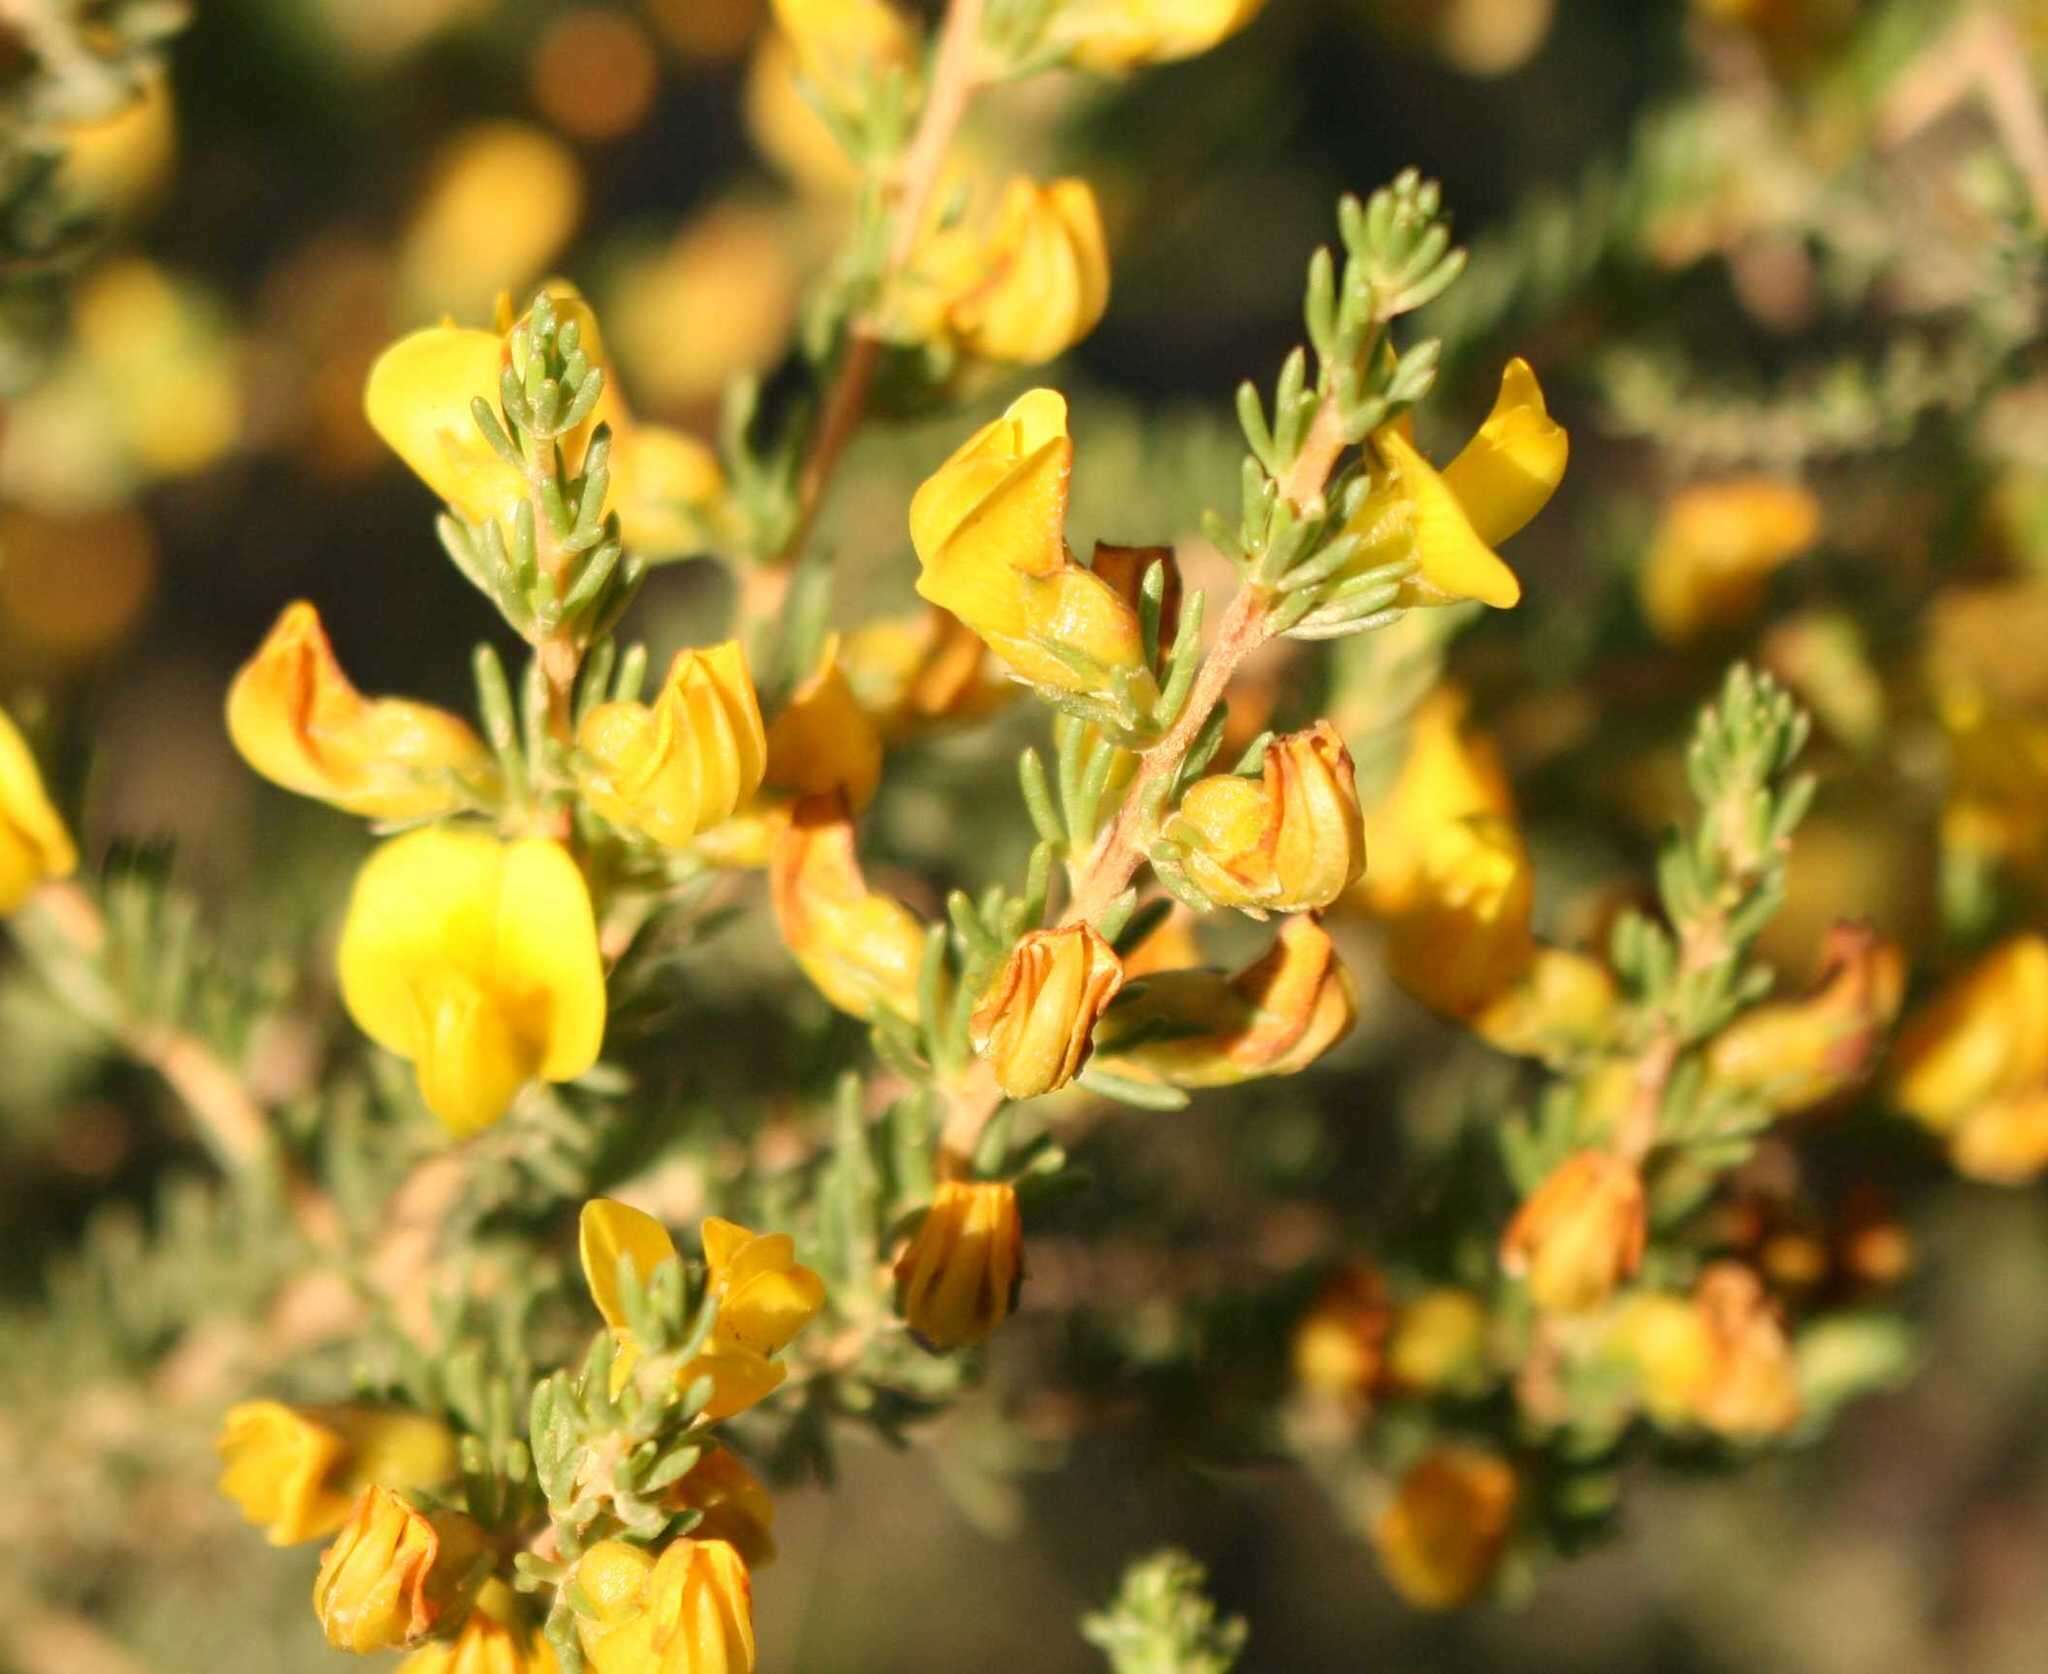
(690, 1611)
(1579, 1234)
(1029, 285)
(1439, 1342)
(34, 844)
(1465, 941)
(496, 1638)
(823, 740)
(394, 1573)
(1338, 1348)
(1751, 1387)
(731, 1503)
(1795, 1054)
(958, 1278)
(1449, 773)
(1983, 1038)
(1715, 549)
(296, 1471)
(298, 720)
(1112, 36)
(1036, 1022)
(674, 768)
(1441, 1538)
(1290, 840)
(861, 950)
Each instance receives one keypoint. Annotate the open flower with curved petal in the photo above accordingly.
(296, 1471)
(34, 845)
(1021, 287)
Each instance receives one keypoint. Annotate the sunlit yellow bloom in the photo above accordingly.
(690, 1611)
(1439, 1342)
(1450, 521)
(1026, 286)
(1036, 1022)
(678, 766)
(958, 1278)
(1715, 549)
(1466, 941)
(34, 844)
(989, 526)
(478, 961)
(841, 45)
(1449, 773)
(1579, 1234)
(823, 740)
(393, 1573)
(1562, 1002)
(495, 1638)
(1795, 1054)
(861, 950)
(298, 720)
(296, 1471)
(1117, 35)
(1751, 1386)
(1275, 1017)
(1983, 1038)
(1288, 841)
(732, 1504)
(915, 672)
(1338, 1348)
(764, 1295)
(1441, 1538)
(501, 198)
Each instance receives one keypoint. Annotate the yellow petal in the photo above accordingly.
(33, 842)
(1455, 563)
(471, 1060)
(1507, 473)
(660, 477)
(1003, 492)
(607, 1230)
(418, 399)
(767, 1310)
(423, 902)
(547, 943)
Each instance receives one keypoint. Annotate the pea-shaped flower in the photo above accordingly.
(689, 1611)
(1579, 1234)
(299, 721)
(1465, 939)
(1981, 1039)
(1794, 1054)
(477, 960)
(1288, 841)
(393, 1573)
(1026, 286)
(989, 529)
(1117, 35)
(671, 769)
(296, 1471)
(1442, 1537)
(1036, 1022)
(34, 845)
(957, 1279)
(1450, 521)
(1448, 773)
(861, 949)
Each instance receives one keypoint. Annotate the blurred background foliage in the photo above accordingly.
(1733, 235)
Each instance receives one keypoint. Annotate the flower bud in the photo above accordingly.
(1290, 840)
(1031, 284)
(1751, 1386)
(1439, 1343)
(1466, 940)
(674, 768)
(496, 1638)
(690, 1611)
(394, 1573)
(1199, 1028)
(1715, 549)
(1112, 36)
(911, 673)
(1795, 1054)
(296, 1471)
(731, 1504)
(1450, 521)
(298, 720)
(1339, 1345)
(1036, 1022)
(1579, 1234)
(1441, 1538)
(823, 740)
(34, 845)
(861, 950)
(478, 961)
(1447, 774)
(988, 527)
(958, 1278)
(1983, 1038)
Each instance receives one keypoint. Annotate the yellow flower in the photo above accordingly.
(495, 1638)
(1467, 941)
(1450, 521)
(34, 845)
(393, 1573)
(674, 768)
(1448, 774)
(764, 1298)
(1665, 1340)
(501, 199)
(1022, 289)
(297, 719)
(989, 526)
(1795, 1054)
(915, 672)
(1288, 841)
(1716, 547)
(1579, 1234)
(958, 1278)
(823, 740)
(1751, 1385)
(1983, 1038)
(296, 1471)
(1112, 36)
(861, 950)
(478, 961)
(1339, 1345)
(1036, 1022)
(2003, 1142)
(1441, 1538)
(1275, 1017)
(841, 45)
(1439, 1342)
(690, 1611)
(788, 129)
(732, 1504)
